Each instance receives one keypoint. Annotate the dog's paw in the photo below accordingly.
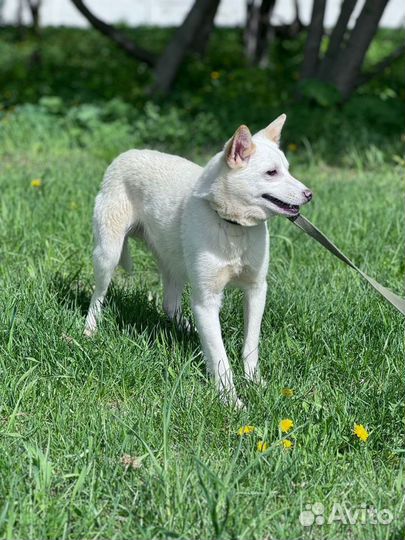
(89, 332)
(256, 378)
(260, 381)
(186, 326)
(238, 404)
(230, 399)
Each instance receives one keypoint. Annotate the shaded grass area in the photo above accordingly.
(72, 408)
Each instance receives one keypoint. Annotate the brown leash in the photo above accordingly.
(306, 226)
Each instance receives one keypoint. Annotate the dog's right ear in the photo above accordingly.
(239, 149)
(273, 130)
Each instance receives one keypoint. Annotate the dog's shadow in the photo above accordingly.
(134, 310)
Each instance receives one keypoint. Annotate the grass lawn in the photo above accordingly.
(74, 410)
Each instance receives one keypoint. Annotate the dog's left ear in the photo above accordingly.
(273, 130)
(239, 149)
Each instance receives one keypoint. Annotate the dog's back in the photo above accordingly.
(150, 180)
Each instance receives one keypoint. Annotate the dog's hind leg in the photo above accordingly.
(172, 293)
(109, 242)
(125, 258)
(106, 257)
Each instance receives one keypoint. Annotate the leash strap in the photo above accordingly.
(311, 230)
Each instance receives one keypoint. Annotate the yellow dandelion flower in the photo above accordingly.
(360, 431)
(262, 446)
(287, 392)
(245, 430)
(215, 75)
(292, 147)
(287, 443)
(286, 424)
(36, 183)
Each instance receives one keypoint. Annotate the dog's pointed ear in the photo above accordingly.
(239, 149)
(273, 130)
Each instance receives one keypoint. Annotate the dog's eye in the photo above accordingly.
(273, 172)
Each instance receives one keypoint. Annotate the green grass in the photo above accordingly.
(71, 408)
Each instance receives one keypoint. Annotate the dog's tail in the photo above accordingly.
(125, 258)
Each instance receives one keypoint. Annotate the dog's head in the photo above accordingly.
(252, 180)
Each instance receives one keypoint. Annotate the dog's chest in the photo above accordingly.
(245, 257)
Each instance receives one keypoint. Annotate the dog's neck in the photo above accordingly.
(210, 188)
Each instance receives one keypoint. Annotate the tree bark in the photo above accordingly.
(296, 25)
(346, 70)
(201, 40)
(170, 61)
(116, 36)
(258, 30)
(34, 7)
(313, 44)
(337, 37)
(250, 28)
(19, 14)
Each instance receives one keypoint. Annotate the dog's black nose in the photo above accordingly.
(308, 194)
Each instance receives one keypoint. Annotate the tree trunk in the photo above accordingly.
(345, 72)
(313, 44)
(250, 29)
(1, 11)
(258, 30)
(34, 7)
(115, 35)
(19, 14)
(170, 61)
(201, 40)
(296, 25)
(337, 37)
(35, 59)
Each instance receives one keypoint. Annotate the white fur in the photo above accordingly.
(180, 209)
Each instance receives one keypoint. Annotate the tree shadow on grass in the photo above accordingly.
(132, 309)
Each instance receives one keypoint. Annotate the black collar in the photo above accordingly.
(229, 221)
(232, 222)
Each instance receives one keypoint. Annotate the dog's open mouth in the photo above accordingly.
(290, 209)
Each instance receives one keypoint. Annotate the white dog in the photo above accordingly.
(206, 226)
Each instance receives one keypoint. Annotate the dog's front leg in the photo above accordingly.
(206, 312)
(255, 299)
